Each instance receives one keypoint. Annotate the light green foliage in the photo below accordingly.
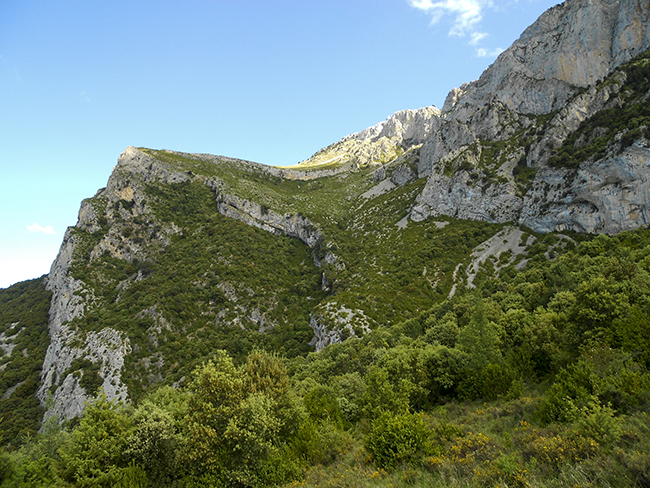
(485, 373)
(554, 356)
(95, 453)
(350, 389)
(322, 405)
(599, 422)
(156, 444)
(321, 443)
(382, 395)
(601, 375)
(516, 331)
(396, 439)
(134, 477)
(37, 462)
(240, 418)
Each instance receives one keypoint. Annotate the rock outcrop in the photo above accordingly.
(574, 44)
(60, 389)
(607, 196)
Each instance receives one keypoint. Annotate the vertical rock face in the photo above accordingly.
(61, 391)
(608, 196)
(573, 44)
(101, 352)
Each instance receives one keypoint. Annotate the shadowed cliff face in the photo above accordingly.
(355, 220)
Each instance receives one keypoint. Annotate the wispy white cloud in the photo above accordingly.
(37, 228)
(477, 37)
(488, 53)
(466, 13)
(84, 95)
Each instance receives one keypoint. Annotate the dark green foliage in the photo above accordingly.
(95, 453)
(523, 175)
(570, 332)
(23, 316)
(206, 281)
(88, 374)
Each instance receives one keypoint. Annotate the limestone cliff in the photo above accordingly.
(553, 68)
(120, 223)
(574, 44)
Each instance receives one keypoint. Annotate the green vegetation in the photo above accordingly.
(183, 280)
(534, 378)
(23, 327)
(88, 374)
(214, 285)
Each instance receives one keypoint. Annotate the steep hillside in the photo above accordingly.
(453, 297)
(23, 342)
(183, 254)
(537, 377)
(485, 155)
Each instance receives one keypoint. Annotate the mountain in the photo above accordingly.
(182, 254)
(482, 152)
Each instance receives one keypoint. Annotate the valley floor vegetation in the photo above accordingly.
(536, 377)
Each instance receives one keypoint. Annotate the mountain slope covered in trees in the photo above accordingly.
(537, 377)
(425, 303)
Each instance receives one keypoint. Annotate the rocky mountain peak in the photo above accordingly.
(574, 44)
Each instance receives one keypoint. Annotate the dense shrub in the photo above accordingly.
(397, 439)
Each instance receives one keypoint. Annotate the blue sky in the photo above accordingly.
(271, 82)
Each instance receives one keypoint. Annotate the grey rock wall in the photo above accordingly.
(572, 45)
